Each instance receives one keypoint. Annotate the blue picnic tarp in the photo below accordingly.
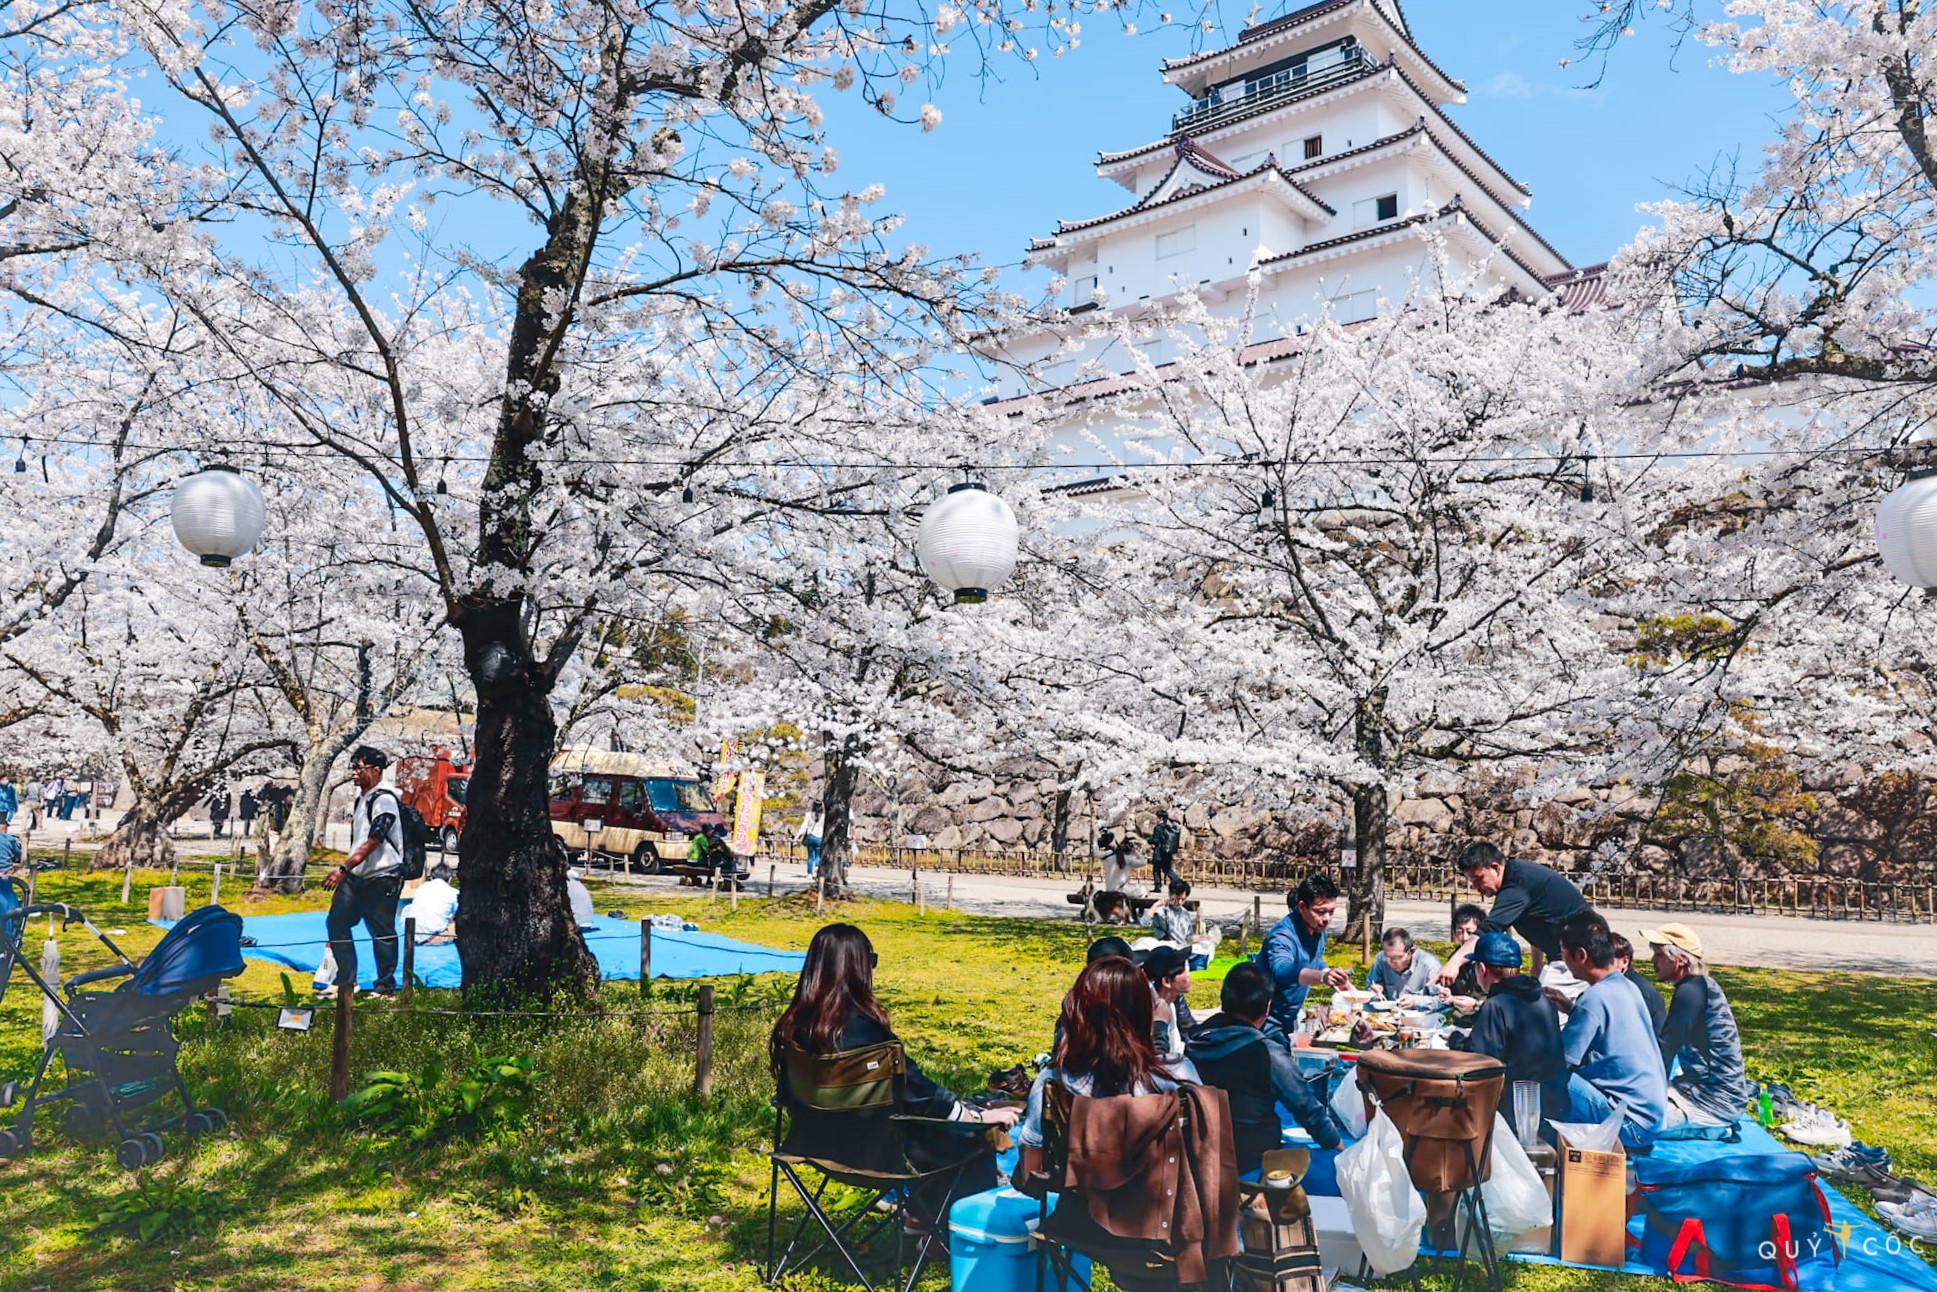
(296, 941)
(1874, 1258)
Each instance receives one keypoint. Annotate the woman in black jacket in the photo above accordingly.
(834, 1010)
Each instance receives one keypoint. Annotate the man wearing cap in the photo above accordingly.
(1517, 1024)
(1164, 842)
(1528, 899)
(1711, 1088)
(1168, 969)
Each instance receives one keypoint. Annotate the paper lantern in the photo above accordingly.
(218, 515)
(1906, 532)
(967, 543)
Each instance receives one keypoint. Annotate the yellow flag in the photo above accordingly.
(746, 813)
(729, 755)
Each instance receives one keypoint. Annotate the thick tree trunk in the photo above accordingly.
(837, 794)
(1365, 884)
(515, 934)
(141, 840)
(1059, 823)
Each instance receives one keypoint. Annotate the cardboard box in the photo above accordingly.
(167, 903)
(1593, 1206)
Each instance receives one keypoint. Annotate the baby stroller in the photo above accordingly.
(116, 1046)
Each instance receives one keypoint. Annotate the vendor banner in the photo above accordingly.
(746, 813)
(729, 767)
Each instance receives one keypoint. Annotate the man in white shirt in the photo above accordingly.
(367, 884)
(434, 908)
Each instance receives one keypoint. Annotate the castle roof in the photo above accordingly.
(1285, 25)
(1211, 174)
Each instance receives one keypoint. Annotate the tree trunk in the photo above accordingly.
(1059, 823)
(1365, 884)
(837, 791)
(515, 934)
(141, 839)
(308, 812)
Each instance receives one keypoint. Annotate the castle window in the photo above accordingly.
(1177, 242)
(1314, 147)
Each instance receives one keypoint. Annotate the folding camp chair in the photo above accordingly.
(1066, 1232)
(864, 1092)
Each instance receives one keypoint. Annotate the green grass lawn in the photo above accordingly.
(619, 1177)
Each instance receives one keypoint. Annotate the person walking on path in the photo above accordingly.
(809, 835)
(367, 884)
(9, 801)
(1164, 842)
(218, 814)
(245, 812)
(53, 796)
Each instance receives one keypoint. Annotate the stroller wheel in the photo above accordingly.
(153, 1141)
(8, 1093)
(10, 1143)
(217, 1119)
(132, 1155)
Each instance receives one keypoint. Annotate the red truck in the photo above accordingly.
(436, 787)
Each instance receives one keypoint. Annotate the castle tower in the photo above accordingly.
(1311, 152)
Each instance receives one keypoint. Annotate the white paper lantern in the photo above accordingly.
(218, 515)
(967, 543)
(1906, 532)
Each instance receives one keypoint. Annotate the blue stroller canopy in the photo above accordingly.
(204, 944)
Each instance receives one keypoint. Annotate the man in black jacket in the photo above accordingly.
(1246, 1055)
(1164, 842)
(1517, 1024)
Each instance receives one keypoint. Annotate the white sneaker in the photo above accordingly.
(1915, 1215)
(1818, 1126)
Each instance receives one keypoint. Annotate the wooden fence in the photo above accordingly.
(1817, 896)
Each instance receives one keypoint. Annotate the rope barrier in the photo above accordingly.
(514, 1013)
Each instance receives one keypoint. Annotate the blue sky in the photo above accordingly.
(1010, 158)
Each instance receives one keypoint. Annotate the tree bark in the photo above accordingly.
(1365, 884)
(837, 793)
(1059, 822)
(515, 933)
(308, 812)
(141, 839)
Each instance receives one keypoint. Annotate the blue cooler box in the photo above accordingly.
(988, 1245)
(1322, 1180)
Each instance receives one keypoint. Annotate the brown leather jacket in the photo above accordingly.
(1145, 1172)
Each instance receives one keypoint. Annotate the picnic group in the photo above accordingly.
(1127, 1061)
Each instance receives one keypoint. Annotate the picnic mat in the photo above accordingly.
(296, 941)
(1875, 1259)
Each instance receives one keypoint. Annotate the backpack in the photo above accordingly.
(416, 839)
(1748, 1220)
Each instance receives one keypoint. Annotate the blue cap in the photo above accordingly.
(1498, 950)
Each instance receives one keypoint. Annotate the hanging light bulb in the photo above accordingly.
(218, 515)
(1269, 499)
(967, 542)
(1587, 491)
(686, 494)
(20, 463)
(441, 486)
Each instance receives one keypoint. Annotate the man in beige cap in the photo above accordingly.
(1710, 1090)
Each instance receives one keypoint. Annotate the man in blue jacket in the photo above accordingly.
(9, 800)
(1244, 1054)
(1294, 951)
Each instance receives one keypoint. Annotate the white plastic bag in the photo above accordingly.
(1516, 1200)
(1597, 1137)
(1388, 1215)
(1348, 1106)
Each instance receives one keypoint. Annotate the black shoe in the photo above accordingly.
(384, 990)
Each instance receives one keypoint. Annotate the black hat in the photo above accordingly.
(1164, 961)
(1163, 814)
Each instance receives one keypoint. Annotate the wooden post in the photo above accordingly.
(410, 959)
(340, 1041)
(1365, 943)
(771, 872)
(33, 877)
(914, 886)
(127, 879)
(820, 888)
(215, 886)
(713, 893)
(733, 896)
(645, 957)
(921, 898)
(67, 853)
(703, 1059)
(1257, 915)
(951, 891)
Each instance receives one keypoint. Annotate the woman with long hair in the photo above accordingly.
(1107, 1046)
(834, 1010)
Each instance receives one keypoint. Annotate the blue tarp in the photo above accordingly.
(1875, 1259)
(296, 942)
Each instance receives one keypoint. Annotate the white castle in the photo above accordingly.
(1311, 153)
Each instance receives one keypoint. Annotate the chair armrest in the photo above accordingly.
(98, 975)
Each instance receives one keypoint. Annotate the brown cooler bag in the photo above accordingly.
(1443, 1102)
